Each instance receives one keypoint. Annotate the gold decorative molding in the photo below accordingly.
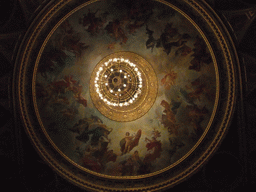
(223, 50)
(127, 105)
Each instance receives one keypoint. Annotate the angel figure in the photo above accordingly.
(154, 148)
(169, 80)
(169, 116)
(129, 142)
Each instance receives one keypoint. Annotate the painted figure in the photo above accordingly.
(137, 162)
(183, 106)
(169, 80)
(92, 22)
(201, 56)
(129, 142)
(151, 42)
(154, 148)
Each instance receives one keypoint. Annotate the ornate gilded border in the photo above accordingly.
(149, 91)
(226, 59)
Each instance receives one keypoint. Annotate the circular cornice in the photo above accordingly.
(56, 148)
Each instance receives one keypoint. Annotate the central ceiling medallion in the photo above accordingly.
(118, 82)
(123, 86)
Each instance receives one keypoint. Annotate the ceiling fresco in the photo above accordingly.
(181, 111)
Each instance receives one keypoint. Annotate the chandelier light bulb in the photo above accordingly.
(117, 81)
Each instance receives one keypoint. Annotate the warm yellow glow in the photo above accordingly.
(122, 82)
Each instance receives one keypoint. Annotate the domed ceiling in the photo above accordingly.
(128, 89)
(184, 87)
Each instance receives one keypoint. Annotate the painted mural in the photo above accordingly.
(186, 87)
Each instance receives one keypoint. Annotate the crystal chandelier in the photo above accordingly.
(123, 86)
(118, 82)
